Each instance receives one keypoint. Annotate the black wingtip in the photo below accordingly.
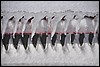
(1, 17)
(21, 18)
(11, 18)
(52, 17)
(29, 21)
(63, 18)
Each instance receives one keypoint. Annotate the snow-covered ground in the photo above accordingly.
(67, 56)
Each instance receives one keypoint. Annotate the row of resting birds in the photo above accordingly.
(69, 26)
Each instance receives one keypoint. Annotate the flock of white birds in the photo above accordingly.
(58, 55)
(85, 55)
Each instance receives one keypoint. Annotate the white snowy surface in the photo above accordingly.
(67, 56)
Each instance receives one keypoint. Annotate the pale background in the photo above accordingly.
(52, 6)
